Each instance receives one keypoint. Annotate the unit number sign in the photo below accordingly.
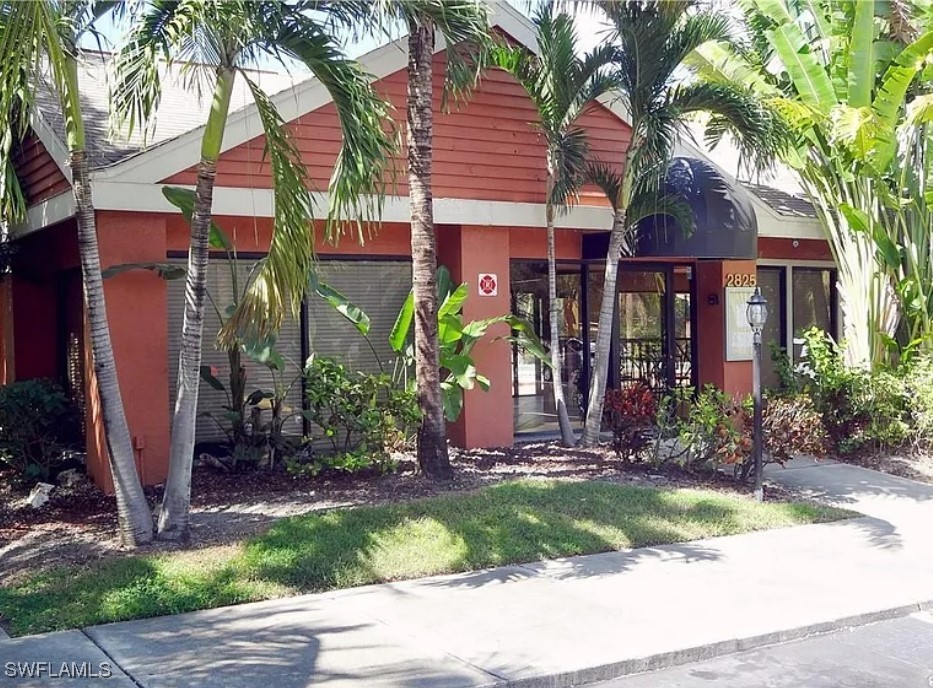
(734, 279)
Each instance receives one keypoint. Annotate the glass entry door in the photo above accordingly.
(654, 318)
(532, 380)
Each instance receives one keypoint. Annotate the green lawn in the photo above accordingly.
(513, 522)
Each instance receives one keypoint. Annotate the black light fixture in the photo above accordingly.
(756, 311)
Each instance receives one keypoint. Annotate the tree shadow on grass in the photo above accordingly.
(512, 523)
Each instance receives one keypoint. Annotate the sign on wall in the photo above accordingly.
(738, 331)
(488, 284)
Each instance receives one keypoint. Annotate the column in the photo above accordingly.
(138, 313)
(734, 377)
(471, 252)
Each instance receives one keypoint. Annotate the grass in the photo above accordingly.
(514, 522)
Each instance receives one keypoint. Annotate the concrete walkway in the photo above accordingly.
(557, 623)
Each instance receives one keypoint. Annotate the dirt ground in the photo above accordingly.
(916, 466)
(79, 525)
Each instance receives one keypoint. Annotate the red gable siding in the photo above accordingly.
(485, 149)
(38, 173)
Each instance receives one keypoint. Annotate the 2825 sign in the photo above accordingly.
(741, 280)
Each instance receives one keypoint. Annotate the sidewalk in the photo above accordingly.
(551, 624)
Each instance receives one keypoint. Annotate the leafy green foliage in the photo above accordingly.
(361, 416)
(38, 426)
(861, 410)
(848, 78)
(457, 339)
(515, 522)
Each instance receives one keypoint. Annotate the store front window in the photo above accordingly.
(652, 338)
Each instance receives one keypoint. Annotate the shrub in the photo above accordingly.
(918, 378)
(860, 409)
(629, 412)
(791, 425)
(708, 433)
(363, 417)
(38, 426)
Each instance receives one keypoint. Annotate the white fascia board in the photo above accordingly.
(240, 202)
(49, 212)
(54, 145)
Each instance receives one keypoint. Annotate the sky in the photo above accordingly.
(588, 25)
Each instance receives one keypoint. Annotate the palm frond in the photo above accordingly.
(759, 134)
(357, 183)
(647, 203)
(607, 178)
(136, 83)
(285, 273)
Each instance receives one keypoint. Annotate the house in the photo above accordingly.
(679, 318)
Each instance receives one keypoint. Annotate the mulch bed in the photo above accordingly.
(908, 464)
(79, 525)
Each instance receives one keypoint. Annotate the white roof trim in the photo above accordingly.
(141, 197)
(49, 212)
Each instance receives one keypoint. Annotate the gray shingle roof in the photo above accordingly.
(782, 202)
(181, 109)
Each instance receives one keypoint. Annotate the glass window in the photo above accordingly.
(771, 281)
(379, 288)
(813, 301)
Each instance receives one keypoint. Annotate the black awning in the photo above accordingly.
(726, 226)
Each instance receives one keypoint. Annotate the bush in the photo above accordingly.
(860, 409)
(629, 413)
(362, 417)
(39, 425)
(918, 377)
(792, 425)
(708, 433)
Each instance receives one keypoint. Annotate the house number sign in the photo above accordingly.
(734, 279)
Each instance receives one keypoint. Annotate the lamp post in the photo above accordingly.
(756, 311)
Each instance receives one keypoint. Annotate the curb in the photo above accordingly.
(666, 660)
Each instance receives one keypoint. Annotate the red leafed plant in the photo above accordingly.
(630, 412)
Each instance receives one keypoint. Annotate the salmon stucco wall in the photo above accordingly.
(487, 148)
(733, 377)
(254, 234)
(136, 305)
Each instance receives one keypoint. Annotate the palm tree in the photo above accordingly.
(652, 41)
(39, 46)
(562, 87)
(464, 24)
(214, 40)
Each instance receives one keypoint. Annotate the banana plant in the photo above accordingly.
(457, 340)
(851, 80)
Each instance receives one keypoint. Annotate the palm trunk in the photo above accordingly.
(563, 419)
(176, 503)
(594, 407)
(135, 518)
(432, 435)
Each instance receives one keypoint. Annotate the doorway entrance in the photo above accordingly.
(654, 316)
(652, 338)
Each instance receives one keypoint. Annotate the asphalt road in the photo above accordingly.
(890, 654)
